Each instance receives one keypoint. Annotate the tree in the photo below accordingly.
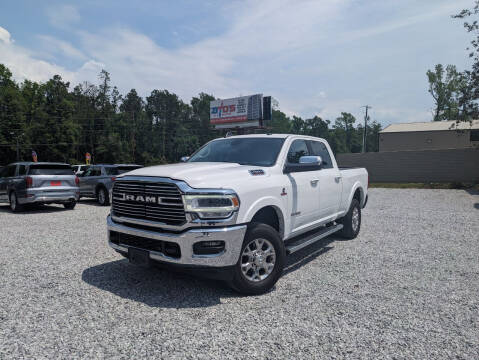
(444, 85)
(12, 119)
(469, 100)
(280, 123)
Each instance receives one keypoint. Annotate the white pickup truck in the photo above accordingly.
(237, 207)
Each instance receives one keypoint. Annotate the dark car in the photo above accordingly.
(40, 183)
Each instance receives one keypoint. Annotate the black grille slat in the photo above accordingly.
(169, 211)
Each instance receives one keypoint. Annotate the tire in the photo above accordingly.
(102, 197)
(14, 205)
(251, 280)
(351, 221)
(70, 205)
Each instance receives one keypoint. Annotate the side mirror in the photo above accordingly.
(306, 163)
(310, 160)
(185, 158)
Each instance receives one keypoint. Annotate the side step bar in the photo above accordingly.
(302, 242)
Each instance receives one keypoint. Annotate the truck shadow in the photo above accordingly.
(156, 287)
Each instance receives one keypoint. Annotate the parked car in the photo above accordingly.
(237, 207)
(40, 183)
(123, 168)
(96, 182)
(79, 169)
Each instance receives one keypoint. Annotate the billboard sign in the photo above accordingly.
(241, 111)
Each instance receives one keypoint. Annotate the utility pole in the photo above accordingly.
(365, 127)
(18, 145)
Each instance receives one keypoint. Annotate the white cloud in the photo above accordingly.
(5, 36)
(53, 46)
(63, 16)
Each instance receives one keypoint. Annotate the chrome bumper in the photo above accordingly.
(232, 236)
(39, 196)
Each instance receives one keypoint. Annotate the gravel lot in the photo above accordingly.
(407, 287)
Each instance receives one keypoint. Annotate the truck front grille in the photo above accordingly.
(160, 202)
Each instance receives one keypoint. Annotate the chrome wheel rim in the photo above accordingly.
(355, 219)
(101, 196)
(258, 260)
(13, 202)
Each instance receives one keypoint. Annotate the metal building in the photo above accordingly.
(433, 135)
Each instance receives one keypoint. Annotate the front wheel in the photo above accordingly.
(261, 261)
(14, 205)
(103, 198)
(351, 221)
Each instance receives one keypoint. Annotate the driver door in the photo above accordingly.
(305, 189)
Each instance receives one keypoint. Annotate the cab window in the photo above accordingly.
(297, 149)
(11, 170)
(22, 170)
(319, 149)
(93, 171)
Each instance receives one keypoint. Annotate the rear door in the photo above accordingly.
(329, 181)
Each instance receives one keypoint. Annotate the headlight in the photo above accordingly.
(211, 206)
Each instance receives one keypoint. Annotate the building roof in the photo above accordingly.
(431, 126)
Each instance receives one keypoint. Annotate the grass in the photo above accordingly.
(424, 186)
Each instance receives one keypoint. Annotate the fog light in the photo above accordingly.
(208, 247)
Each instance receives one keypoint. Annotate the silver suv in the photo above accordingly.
(40, 183)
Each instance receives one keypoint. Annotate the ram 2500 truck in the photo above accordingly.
(237, 207)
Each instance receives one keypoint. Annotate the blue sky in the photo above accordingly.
(316, 57)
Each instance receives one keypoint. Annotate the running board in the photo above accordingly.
(312, 238)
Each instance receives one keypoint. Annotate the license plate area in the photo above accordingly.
(55, 183)
(139, 257)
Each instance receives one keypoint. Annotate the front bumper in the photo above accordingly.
(232, 236)
(42, 196)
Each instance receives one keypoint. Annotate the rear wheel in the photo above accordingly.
(70, 205)
(14, 205)
(102, 197)
(351, 221)
(261, 262)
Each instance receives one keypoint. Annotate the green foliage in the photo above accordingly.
(456, 94)
(62, 125)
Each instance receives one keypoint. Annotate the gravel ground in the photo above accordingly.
(407, 287)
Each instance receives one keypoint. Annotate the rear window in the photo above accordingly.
(50, 170)
(111, 171)
(124, 169)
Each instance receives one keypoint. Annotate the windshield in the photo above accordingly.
(50, 170)
(245, 151)
(111, 171)
(124, 169)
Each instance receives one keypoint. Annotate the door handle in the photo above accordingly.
(337, 178)
(314, 182)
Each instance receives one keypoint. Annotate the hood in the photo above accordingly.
(201, 174)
